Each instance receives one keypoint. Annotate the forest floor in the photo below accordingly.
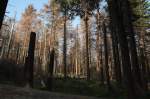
(72, 88)
(11, 92)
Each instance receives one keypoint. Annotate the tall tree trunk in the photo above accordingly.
(98, 41)
(50, 71)
(143, 59)
(106, 56)
(87, 46)
(101, 65)
(3, 6)
(10, 39)
(17, 52)
(144, 71)
(29, 63)
(117, 18)
(117, 64)
(65, 47)
(127, 15)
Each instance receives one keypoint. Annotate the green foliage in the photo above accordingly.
(141, 12)
(67, 7)
(86, 88)
(78, 7)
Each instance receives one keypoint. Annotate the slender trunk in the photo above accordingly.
(143, 59)
(87, 46)
(18, 51)
(65, 48)
(98, 41)
(101, 66)
(106, 56)
(51, 68)
(10, 39)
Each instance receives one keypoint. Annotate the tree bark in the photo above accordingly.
(87, 46)
(127, 15)
(106, 57)
(3, 6)
(116, 17)
(29, 62)
(65, 48)
(51, 67)
(117, 64)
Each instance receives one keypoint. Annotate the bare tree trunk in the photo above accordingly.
(10, 39)
(18, 51)
(87, 46)
(106, 56)
(65, 48)
(51, 67)
(30, 60)
(101, 65)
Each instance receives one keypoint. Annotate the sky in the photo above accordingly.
(18, 6)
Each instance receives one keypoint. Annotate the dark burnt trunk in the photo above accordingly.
(29, 61)
(50, 70)
(65, 48)
(3, 5)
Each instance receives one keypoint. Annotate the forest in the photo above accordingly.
(106, 55)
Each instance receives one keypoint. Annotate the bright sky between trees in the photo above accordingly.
(18, 7)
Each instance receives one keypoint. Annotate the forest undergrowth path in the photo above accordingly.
(11, 92)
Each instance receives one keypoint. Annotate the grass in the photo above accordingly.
(86, 88)
(83, 87)
(90, 88)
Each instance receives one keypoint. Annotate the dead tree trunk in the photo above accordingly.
(65, 47)
(51, 67)
(29, 62)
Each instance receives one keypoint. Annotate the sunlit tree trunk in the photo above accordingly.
(17, 52)
(10, 39)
